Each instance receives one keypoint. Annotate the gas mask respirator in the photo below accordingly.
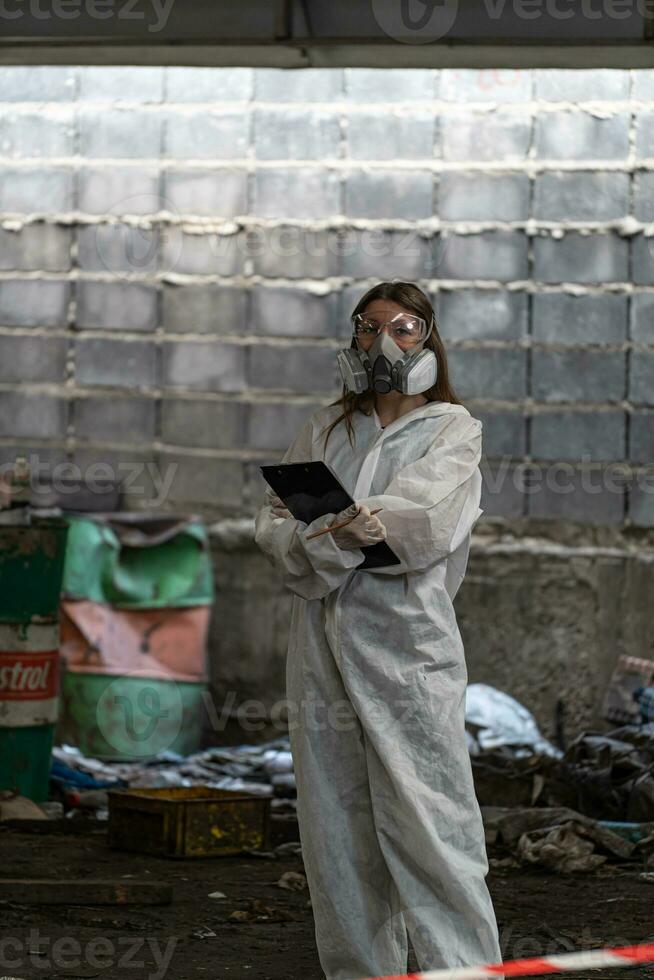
(396, 360)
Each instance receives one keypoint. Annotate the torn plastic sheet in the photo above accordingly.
(495, 719)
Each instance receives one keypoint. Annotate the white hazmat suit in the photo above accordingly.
(391, 832)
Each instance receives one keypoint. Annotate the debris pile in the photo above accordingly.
(565, 811)
(265, 770)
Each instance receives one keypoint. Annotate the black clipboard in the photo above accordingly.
(312, 489)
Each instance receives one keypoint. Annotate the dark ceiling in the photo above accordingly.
(301, 33)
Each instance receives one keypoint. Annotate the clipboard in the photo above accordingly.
(312, 489)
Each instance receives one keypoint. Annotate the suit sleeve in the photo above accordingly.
(431, 505)
(311, 569)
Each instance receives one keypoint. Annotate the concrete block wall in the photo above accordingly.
(180, 250)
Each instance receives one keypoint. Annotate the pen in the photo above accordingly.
(334, 527)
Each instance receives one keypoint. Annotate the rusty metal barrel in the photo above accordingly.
(32, 557)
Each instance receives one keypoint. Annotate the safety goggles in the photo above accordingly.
(402, 328)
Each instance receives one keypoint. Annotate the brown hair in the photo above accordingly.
(412, 298)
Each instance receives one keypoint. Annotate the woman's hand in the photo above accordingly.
(362, 530)
(279, 508)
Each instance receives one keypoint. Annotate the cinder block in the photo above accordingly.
(500, 135)
(216, 483)
(38, 246)
(207, 134)
(559, 492)
(34, 303)
(119, 363)
(203, 424)
(219, 193)
(503, 434)
(25, 358)
(641, 436)
(408, 195)
(572, 85)
(486, 85)
(576, 135)
(293, 252)
(119, 190)
(642, 256)
(588, 436)
(119, 305)
(381, 85)
(642, 318)
(292, 312)
(209, 254)
(644, 196)
(385, 255)
(500, 255)
(274, 425)
(298, 368)
(32, 416)
(641, 502)
(300, 192)
(493, 373)
(581, 196)
(37, 83)
(482, 314)
(483, 197)
(120, 133)
(143, 479)
(642, 84)
(564, 318)
(204, 366)
(641, 378)
(296, 134)
(568, 376)
(35, 191)
(290, 85)
(208, 84)
(115, 419)
(113, 82)
(37, 134)
(410, 137)
(594, 258)
(118, 248)
(645, 133)
(502, 493)
(204, 309)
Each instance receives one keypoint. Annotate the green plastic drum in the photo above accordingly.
(130, 717)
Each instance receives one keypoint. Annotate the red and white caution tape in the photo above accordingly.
(595, 959)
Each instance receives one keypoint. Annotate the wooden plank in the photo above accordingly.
(42, 891)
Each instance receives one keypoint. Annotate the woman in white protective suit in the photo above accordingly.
(391, 832)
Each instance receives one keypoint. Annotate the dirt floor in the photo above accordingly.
(193, 937)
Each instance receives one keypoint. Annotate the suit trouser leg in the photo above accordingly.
(427, 817)
(359, 927)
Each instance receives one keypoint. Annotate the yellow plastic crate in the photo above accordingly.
(188, 822)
